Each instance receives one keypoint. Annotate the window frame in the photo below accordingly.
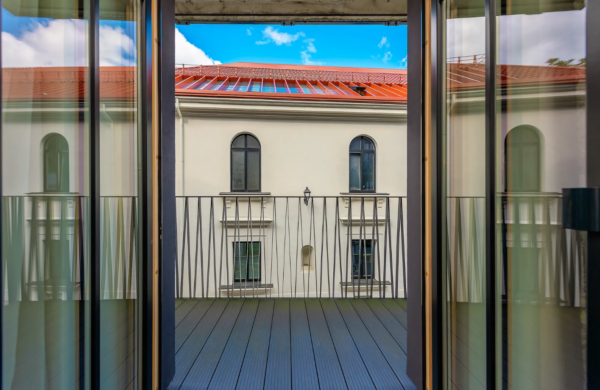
(245, 149)
(361, 275)
(63, 184)
(360, 153)
(246, 279)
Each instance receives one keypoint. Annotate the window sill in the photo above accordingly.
(246, 289)
(244, 194)
(364, 194)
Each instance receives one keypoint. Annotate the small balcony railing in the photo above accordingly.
(267, 246)
(540, 261)
(46, 255)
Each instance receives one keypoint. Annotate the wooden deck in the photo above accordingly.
(284, 344)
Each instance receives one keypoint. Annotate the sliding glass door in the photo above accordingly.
(512, 136)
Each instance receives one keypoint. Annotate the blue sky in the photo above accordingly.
(371, 46)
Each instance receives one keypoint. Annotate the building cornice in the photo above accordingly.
(290, 109)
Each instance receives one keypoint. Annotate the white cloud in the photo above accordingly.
(524, 39)
(271, 34)
(63, 43)
(310, 45)
(307, 60)
(404, 63)
(383, 42)
(387, 56)
(249, 31)
(187, 53)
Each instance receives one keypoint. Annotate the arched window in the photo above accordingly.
(362, 165)
(522, 160)
(245, 164)
(56, 164)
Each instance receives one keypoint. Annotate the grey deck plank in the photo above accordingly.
(204, 367)
(353, 367)
(191, 349)
(178, 302)
(397, 311)
(184, 309)
(395, 356)
(279, 370)
(304, 370)
(326, 359)
(391, 323)
(189, 323)
(252, 375)
(228, 369)
(377, 365)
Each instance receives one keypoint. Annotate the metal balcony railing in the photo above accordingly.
(540, 261)
(266, 246)
(46, 247)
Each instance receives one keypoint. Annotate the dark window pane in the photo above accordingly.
(367, 144)
(355, 172)
(368, 171)
(238, 142)
(253, 171)
(355, 144)
(238, 180)
(252, 142)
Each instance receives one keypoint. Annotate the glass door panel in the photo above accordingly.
(45, 198)
(541, 149)
(465, 159)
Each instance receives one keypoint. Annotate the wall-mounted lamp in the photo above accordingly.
(306, 196)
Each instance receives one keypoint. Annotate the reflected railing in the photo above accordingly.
(46, 253)
(268, 246)
(545, 260)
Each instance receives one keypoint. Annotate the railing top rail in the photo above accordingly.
(295, 196)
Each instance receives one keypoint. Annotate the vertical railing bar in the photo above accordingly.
(385, 239)
(189, 251)
(457, 251)
(558, 251)
(348, 243)
(123, 254)
(225, 223)
(310, 231)
(118, 243)
(210, 234)
(185, 219)
(533, 234)
(516, 231)
(323, 235)
(373, 238)
(390, 233)
(276, 248)
(132, 247)
(273, 244)
(108, 249)
(251, 250)
(398, 248)
(214, 244)
(476, 254)
(223, 242)
(286, 244)
(237, 244)
(63, 236)
(261, 234)
(81, 248)
(401, 222)
(335, 244)
(199, 248)
(470, 253)
(177, 295)
(548, 253)
(289, 234)
(297, 239)
(362, 246)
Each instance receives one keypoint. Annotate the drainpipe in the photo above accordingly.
(181, 144)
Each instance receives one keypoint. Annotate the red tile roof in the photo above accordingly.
(472, 76)
(293, 82)
(269, 81)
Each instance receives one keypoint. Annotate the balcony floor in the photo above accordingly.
(291, 343)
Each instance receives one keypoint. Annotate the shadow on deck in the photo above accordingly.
(291, 344)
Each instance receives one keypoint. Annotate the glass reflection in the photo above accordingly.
(119, 163)
(45, 179)
(464, 142)
(541, 134)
